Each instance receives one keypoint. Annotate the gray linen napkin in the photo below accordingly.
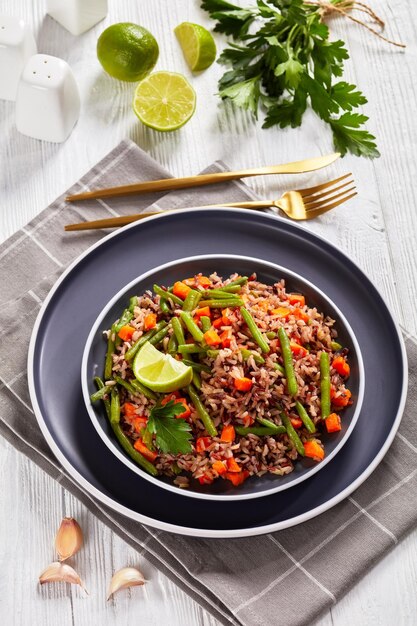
(241, 581)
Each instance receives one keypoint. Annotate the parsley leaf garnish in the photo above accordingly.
(282, 60)
(172, 435)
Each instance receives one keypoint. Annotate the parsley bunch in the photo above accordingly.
(286, 62)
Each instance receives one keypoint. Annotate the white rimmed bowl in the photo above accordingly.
(224, 265)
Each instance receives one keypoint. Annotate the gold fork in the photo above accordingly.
(302, 204)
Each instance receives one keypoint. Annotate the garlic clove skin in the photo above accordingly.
(61, 572)
(124, 578)
(69, 538)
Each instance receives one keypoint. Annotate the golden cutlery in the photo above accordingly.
(303, 204)
(168, 184)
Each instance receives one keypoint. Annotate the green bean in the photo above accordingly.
(161, 334)
(238, 281)
(192, 326)
(198, 367)
(130, 450)
(190, 348)
(305, 418)
(212, 294)
(147, 439)
(167, 295)
(108, 364)
(325, 384)
(132, 303)
(176, 469)
(261, 431)
(202, 413)
(114, 406)
(124, 319)
(259, 360)
(299, 446)
(100, 384)
(139, 388)
(267, 423)
(222, 304)
(213, 353)
(254, 330)
(163, 305)
(126, 384)
(205, 323)
(292, 386)
(279, 367)
(139, 343)
(191, 300)
(172, 345)
(178, 331)
(271, 334)
(196, 379)
(102, 391)
(336, 346)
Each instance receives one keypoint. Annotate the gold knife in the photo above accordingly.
(168, 184)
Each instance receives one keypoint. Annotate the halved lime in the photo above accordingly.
(160, 372)
(164, 101)
(197, 44)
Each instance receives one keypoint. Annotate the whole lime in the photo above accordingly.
(127, 51)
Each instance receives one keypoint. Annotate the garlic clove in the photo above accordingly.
(61, 572)
(69, 538)
(126, 577)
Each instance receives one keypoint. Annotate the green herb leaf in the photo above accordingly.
(244, 94)
(347, 137)
(172, 435)
(346, 96)
(293, 71)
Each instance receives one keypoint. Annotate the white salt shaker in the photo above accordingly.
(17, 45)
(48, 100)
(77, 16)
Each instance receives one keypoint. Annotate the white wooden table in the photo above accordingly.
(378, 230)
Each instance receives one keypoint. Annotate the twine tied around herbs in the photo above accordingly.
(326, 8)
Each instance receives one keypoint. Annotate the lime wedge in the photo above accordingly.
(164, 101)
(197, 45)
(160, 372)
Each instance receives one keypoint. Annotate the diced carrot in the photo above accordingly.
(342, 400)
(237, 479)
(341, 367)
(263, 305)
(232, 466)
(126, 332)
(281, 312)
(218, 323)
(212, 338)
(205, 479)
(300, 315)
(228, 433)
(205, 310)
(225, 339)
(204, 281)
(313, 450)
(296, 298)
(248, 420)
(178, 400)
(139, 423)
(148, 454)
(296, 422)
(129, 409)
(298, 350)
(219, 467)
(242, 384)
(180, 289)
(333, 423)
(190, 282)
(202, 444)
(224, 320)
(150, 321)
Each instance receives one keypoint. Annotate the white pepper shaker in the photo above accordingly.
(77, 16)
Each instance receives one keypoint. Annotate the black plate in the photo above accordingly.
(82, 292)
(224, 265)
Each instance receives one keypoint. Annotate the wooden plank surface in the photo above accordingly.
(378, 231)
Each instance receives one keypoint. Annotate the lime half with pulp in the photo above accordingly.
(197, 45)
(164, 101)
(160, 372)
